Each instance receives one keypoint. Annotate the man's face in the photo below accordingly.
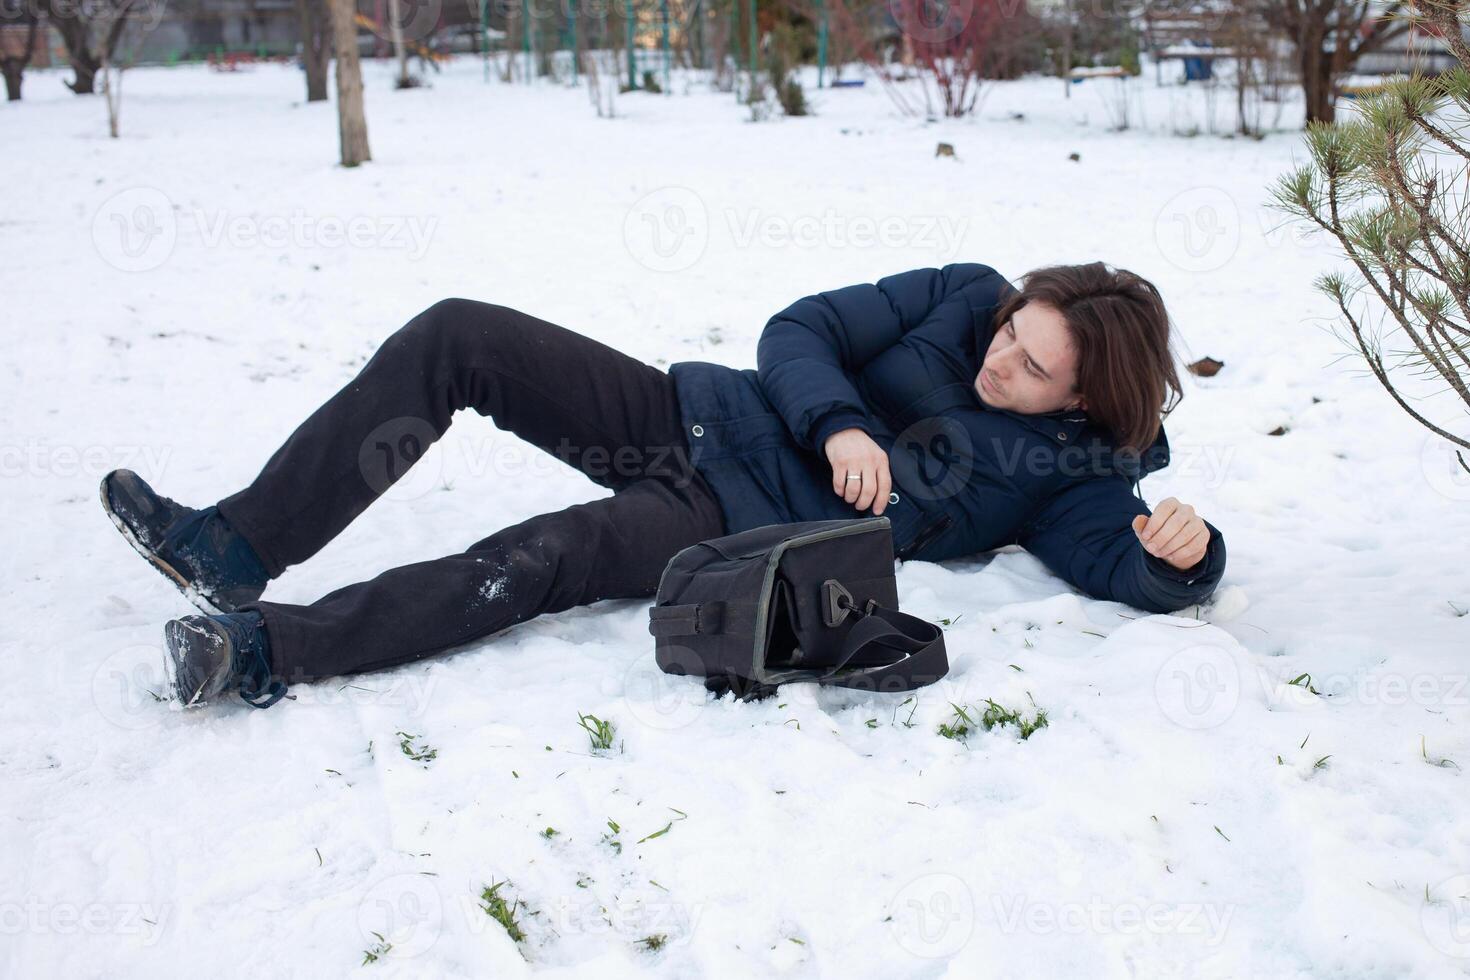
(1031, 365)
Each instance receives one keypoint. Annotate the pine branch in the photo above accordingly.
(1435, 322)
(1415, 113)
(1445, 17)
(1375, 363)
(1427, 218)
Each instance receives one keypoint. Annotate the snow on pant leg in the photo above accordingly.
(614, 547)
(594, 407)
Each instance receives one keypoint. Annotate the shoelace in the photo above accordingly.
(251, 695)
(250, 688)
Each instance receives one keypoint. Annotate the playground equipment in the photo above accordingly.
(1081, 74)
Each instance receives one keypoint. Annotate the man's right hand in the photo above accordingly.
(853, 453)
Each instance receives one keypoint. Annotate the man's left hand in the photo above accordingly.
(1174, 532)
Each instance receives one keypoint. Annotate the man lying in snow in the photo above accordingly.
(971, 414)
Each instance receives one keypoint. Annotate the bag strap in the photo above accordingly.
(918, 644)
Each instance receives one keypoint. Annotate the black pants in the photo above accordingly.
(611, 416)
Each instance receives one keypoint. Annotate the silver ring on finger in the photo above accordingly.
(854, 476)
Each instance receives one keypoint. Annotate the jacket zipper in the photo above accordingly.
(929, 533)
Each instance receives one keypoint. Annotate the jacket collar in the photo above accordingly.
(1076, 428)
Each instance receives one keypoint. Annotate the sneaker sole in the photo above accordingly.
(194, 596)
(177, 635)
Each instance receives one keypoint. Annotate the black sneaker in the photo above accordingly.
(208, 656)
(197, 550)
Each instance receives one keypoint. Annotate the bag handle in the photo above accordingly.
(919, 644)
(687, 619)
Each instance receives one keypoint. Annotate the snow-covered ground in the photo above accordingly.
(177, 300)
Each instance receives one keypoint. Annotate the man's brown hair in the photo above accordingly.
(1117, 321)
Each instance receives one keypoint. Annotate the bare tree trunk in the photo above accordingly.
(1356, 28)
(74, 22)
(1321, 98)
(395, 23)
(112, 92)
(111, 70)
(512, 31)
(316, 46)
(1244, 72)
(14, 64)
(75, 36)
(122, 10)
(351, 122)
(1317, 83)
(12, 80)
(1066, 68)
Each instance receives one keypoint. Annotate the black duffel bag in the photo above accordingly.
(811, 601)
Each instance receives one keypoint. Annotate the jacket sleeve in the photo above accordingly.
(1085, 535)
(809, 353)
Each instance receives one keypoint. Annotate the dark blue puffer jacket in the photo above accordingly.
(898, 359)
